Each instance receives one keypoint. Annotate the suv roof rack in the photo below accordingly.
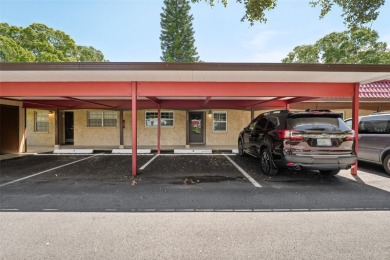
(317, 110)
(276, 112)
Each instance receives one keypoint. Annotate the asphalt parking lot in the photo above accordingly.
(180, 183)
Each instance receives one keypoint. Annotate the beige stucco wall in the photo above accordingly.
(175, 135)
(236, 120)
(110, 136)
(91, 136)
(21, 121)
(147, 136)
(38, 138)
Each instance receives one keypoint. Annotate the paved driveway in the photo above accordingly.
(217, 182)
(188, 207)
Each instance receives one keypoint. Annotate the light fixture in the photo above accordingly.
(51, 112)
(210, 113)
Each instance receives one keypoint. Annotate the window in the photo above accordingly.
(151, 118)
(219, 121)
(41, 121)
(262, 123)
(272, 122)
(102, 118)
(252, 125)
(374, 127)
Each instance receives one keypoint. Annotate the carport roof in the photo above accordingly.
(180, 85)
(191, 72)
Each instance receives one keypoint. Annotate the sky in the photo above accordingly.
(129, 30)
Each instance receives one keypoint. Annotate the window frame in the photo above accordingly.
(156, 112)
(46, 113)
(226, 122)
(102, 125)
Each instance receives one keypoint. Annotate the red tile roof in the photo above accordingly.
(379, 89)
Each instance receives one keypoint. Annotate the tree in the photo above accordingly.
(41, 43)
(11, 51)
(357, 46)
(89, 53)
(355, 12)
(177, 34)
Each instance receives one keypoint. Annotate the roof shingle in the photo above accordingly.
(379, 89)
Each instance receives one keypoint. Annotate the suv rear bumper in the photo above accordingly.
(317, 162)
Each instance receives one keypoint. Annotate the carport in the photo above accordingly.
(119, 86)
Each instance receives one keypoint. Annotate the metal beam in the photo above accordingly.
(206, 101)
(71, 89)
(245, 89)
(134, 128)
(262, 102)
(89, 102)
(299, 99)
(158, 129)
(154, 99)
(355, 123)
(31, 104)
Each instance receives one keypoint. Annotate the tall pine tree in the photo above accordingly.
(177, 34)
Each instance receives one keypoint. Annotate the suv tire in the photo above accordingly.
(329, 172)
(267, 163)
(241, 151)
(386, 163)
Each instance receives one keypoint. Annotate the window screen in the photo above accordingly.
(151, 119)
(102, 118)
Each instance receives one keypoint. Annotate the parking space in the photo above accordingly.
(192, 170)
(50, 168)
(218, 182)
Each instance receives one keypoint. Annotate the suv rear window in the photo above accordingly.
(317, 124)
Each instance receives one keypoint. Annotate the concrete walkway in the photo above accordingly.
(164, 149)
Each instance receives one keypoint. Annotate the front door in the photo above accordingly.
(69, 131)
(9, 129)
(196, 127)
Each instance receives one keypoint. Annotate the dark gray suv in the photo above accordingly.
(312, 140)
(374, 139)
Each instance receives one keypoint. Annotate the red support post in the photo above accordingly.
(159, 129)
(355, 122)
(134, 128)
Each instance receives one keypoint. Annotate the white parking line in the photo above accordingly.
(80, 154)
(146, 164)
(197, 154)
(52, 169)
(255, 183)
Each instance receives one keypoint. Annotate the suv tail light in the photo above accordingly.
(350, 136)
(289, 135)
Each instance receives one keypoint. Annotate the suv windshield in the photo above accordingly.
(316, 123)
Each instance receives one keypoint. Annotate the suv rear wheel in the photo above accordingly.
(386, 164)
(267, 163)
(329, 172)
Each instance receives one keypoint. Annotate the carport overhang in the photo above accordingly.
(246, 86)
